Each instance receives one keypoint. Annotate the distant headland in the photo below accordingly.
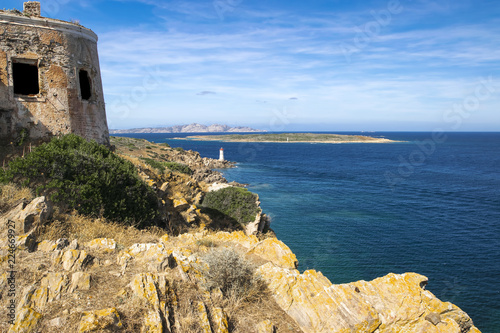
(291, 138)
(191, 128)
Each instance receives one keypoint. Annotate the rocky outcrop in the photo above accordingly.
(139, 288)
(37, 212)
(393, 303)
(276, 252)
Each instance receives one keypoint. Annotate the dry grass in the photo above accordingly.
(234, 275)
(84, 229)
(11, 195)
(186, 311)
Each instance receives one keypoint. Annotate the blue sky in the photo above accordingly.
(296, 65)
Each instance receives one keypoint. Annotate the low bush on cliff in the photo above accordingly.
(235, 202)
(173, 166)
(154, 164)
(182, 168)
(231, 273)
(87, 177)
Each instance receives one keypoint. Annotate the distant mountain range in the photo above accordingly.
(192, 128)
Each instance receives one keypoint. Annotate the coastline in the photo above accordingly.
(268, 138)
(167, 265)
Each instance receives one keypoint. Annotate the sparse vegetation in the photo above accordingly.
(87, 177)
(173, 166)
(231, 273)
(22, 136)
(12, 194)
(206, 242)
(235, 202)
(85, 229)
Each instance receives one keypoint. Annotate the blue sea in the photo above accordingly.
(358, 211)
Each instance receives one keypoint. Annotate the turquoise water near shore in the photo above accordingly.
(360, 211)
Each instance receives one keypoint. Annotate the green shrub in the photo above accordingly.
(87, 177)
(174, 166)
(235, 202)
(182, 168)
(180, 149)
(160, 166)
(22, 136)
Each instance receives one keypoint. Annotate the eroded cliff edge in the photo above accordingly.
(82, 275)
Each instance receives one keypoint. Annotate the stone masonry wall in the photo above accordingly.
(60, 51)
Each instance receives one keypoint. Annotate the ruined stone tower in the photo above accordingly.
(50, 80)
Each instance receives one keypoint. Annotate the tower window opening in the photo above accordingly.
(25, 77)
(85, 87)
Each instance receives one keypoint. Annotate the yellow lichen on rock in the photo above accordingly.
(180, 203)
(56, 284)
(276, 252)
(203, 318)
(308, 297)
(144, 287)
(102, 244)
(220, 321)
(72, 260)
(80, 281)
(236, 237)
(47, 246)
(265, 326)
(152, 322)
(164, 239)
(26, 321)
(393, 303)
(100, 320)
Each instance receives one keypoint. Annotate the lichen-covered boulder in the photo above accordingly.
(107, 319)
(393, 303)
(276, 252)
(26, 321)
(72, 260)
(309, 296)
(38, 211)
(80, 281)
(102, 244)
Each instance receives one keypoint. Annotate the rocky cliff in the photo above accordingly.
(80, 274)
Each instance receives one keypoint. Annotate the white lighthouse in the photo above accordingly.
(221, 154)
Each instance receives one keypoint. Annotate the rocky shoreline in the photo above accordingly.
(87, 275)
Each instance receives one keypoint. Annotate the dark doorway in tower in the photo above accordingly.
(85, 87)
(25, 77)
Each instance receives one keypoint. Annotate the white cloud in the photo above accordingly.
(410, 75)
